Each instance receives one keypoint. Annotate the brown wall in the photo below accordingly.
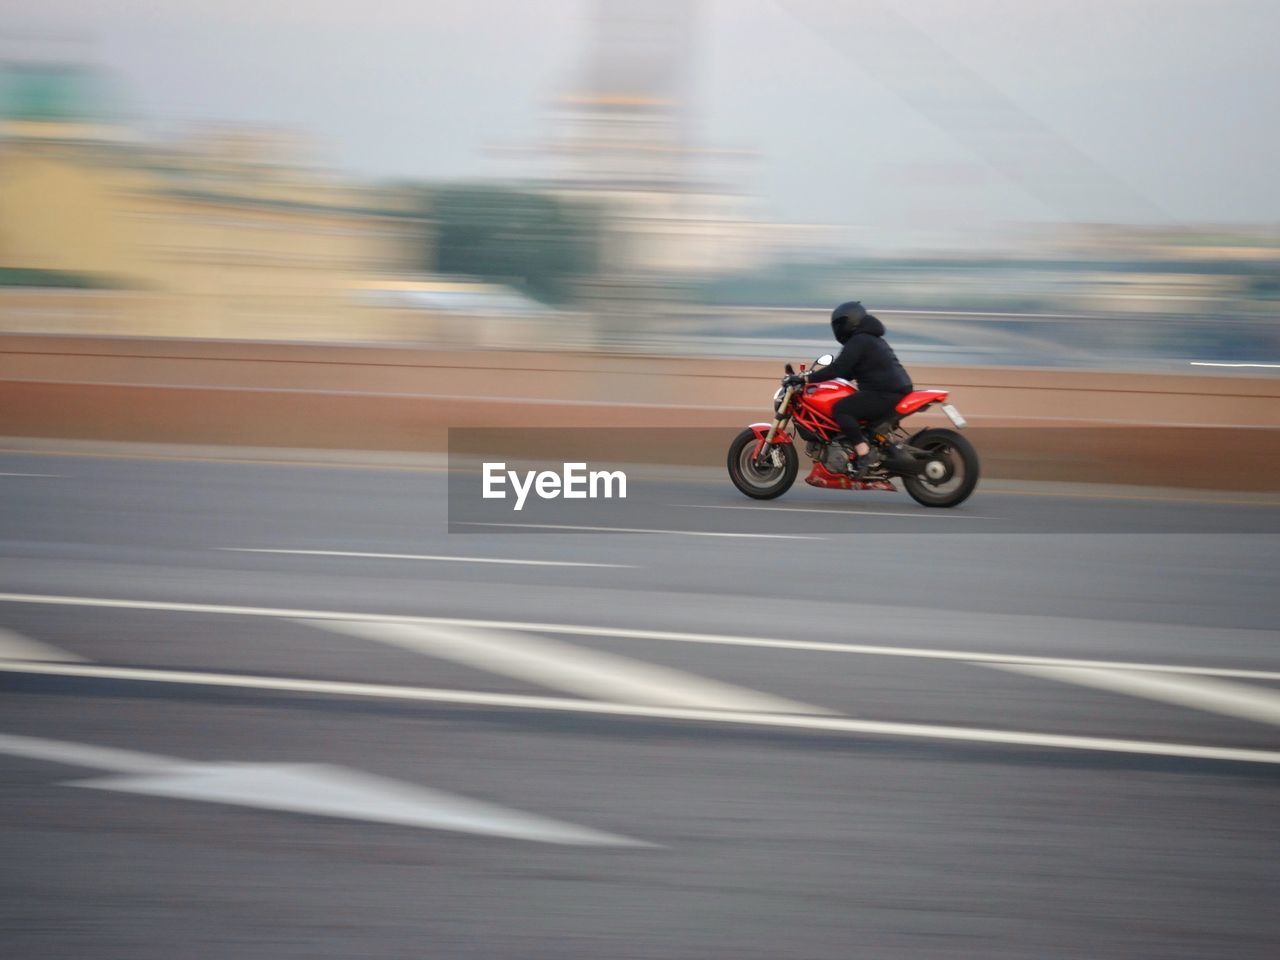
(1214, 432)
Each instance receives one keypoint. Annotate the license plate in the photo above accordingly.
(954, 414)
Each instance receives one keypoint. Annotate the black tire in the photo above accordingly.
(761, 484)
(962, 477)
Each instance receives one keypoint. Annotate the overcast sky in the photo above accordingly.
(952, 111)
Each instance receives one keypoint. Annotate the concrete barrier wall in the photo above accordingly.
(1200, 431)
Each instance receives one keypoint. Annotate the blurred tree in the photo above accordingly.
(536, 242)
(35, 277)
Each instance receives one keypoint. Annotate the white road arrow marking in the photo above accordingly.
(318, 789)
(550, 663)
(84, 754)
(14, 646)
(1200, 693)
(349, 794)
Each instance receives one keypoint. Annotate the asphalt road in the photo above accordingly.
(317, 723)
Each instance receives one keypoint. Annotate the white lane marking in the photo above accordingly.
(627, 633)
(1212, 363)
(319, 789)
(1201, 693)
(14, 646)
(924, 512)
(566, 668)
(678, 533)
(425, 556)
(600, 708)
(10, 474)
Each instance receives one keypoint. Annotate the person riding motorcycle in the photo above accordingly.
(869, 362)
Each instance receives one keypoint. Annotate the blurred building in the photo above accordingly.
(232, 233)
(465, 313)
(624, 139)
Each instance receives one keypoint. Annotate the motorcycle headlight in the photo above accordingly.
(777, 398)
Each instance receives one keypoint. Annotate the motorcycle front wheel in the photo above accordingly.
(762, 481)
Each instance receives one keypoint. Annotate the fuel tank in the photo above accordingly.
(822, 396)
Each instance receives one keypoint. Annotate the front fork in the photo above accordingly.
(765, 444)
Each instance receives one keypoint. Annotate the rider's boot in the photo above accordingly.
(858, 466)
(861, 465)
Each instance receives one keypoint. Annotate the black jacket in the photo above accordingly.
(868, 361)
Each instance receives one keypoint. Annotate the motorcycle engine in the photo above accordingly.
(835, 457)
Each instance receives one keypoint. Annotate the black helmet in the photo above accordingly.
(846, 318)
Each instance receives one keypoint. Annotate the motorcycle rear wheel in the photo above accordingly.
(962, 474)
(761, 484)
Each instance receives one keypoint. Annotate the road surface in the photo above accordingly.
(256, 710)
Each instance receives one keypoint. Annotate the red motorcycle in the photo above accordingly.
(938, 467)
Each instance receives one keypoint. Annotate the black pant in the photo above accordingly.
(869, 405)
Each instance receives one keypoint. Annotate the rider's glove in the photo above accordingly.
(794, 379)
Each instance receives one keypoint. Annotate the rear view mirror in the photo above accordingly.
(823, 360)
